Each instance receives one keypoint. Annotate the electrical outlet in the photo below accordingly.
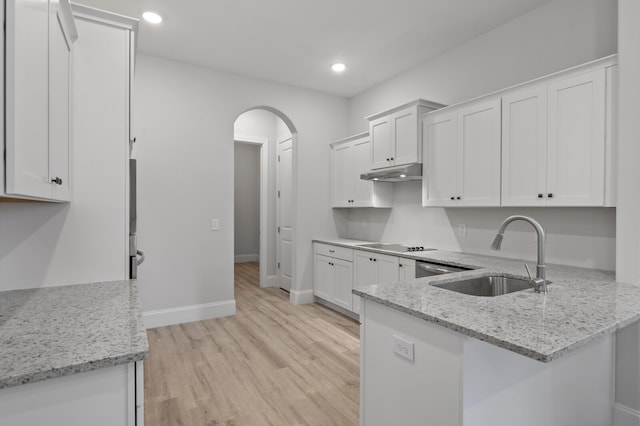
(462, 229)
(403, 347)
(215, 224)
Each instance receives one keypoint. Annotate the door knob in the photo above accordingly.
(57, 181)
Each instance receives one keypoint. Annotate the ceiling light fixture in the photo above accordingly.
(338, 67)
(152, 17)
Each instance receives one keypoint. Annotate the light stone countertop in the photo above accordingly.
(581, 305)
(58, 331)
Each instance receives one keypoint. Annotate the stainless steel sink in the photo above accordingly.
(486, 286)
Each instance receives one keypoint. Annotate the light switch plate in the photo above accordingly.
(403, 347)
(215, 224)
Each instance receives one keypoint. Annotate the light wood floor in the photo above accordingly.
(271, 364)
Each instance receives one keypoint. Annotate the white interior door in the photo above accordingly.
(285, 213)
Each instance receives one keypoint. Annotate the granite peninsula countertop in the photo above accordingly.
(580, 306)
(58, 331)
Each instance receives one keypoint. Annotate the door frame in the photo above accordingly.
(263, 144)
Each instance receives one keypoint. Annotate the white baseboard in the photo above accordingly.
(301, 297)
(272, 281)
(163, 317)
(625, 416)
(244, 258)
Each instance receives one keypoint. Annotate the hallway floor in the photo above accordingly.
(270, 364)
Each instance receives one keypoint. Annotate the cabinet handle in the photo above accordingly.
(550, 195)
(370, 260)
(375, 260)
(457, 198)
(387, 159)
(391, 158)
(540, 195)
(453, 198)
(332, 251)
(57, 181)
(400, 265)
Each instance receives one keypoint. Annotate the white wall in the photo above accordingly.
(628, 211)
(185, 127)
(246, 200)
(558, 35)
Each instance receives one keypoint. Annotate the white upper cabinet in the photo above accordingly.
(462, 155)
(39, 35)
(576, 144)
(27, 98)
(60, 41)
(395, 134)
(479, 154)
(524, 147)
(350, 158)
(440, 164)
(555, 141)
(548, 142)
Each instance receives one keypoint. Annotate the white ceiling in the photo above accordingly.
(295, 41)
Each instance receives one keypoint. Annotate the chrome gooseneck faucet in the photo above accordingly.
(539, 283)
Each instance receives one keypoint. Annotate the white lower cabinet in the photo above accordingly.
(333, 275)
(373, 268)
(406, 270)
(455, 380)
(110, 396)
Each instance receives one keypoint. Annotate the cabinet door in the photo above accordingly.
(406, 270)
(387, 268)
(343, 284)
(479, 154)
(365, 273)
(381, 142)
(405, 147)
(576, 145)
(362, 164)
(323, 277)
(27, 98)
(343, 183)
(439, 182)
(59, 105)
(524, 147)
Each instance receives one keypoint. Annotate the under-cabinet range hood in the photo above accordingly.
(406, 173)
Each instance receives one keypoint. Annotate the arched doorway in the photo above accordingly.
(265, 133)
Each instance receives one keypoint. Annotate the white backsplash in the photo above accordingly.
(578, 236)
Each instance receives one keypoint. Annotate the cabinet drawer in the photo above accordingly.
(334, 251)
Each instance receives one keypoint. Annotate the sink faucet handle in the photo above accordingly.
(528, 271)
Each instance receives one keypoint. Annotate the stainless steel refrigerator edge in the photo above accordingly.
(134, 260)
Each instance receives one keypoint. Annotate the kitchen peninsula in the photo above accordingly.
(434, 355)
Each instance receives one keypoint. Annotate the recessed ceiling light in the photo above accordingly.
(152, 17)
(338, 67)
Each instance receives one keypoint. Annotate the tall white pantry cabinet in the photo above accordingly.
(98, 91)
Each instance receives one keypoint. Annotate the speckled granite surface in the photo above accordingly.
(581, 305)
(58, 331)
